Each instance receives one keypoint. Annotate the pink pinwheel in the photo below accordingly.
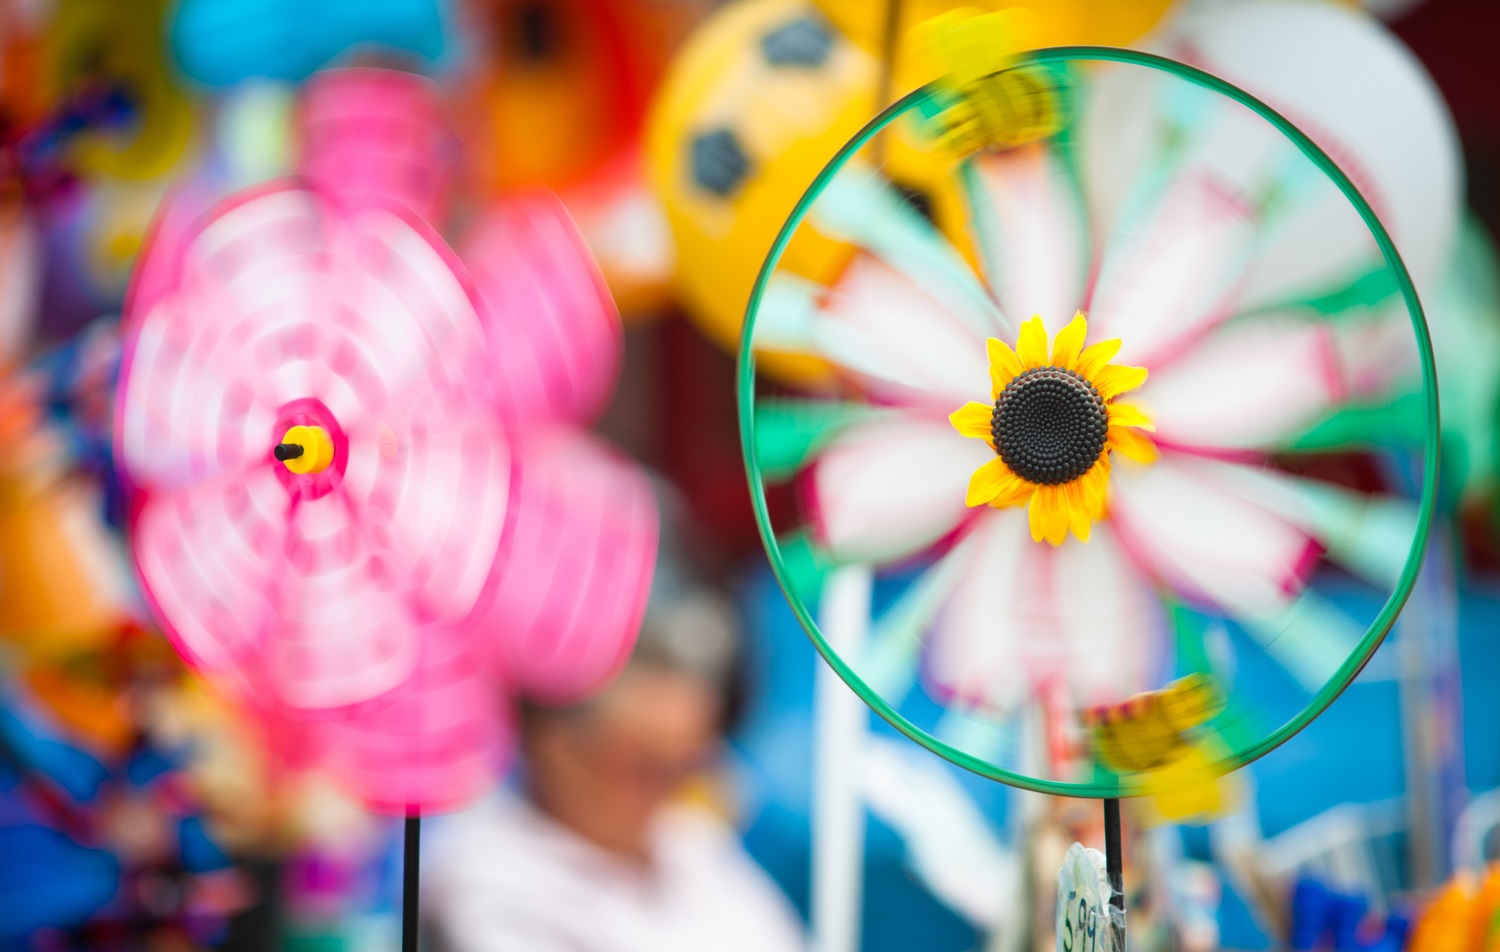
(1084, 422)
(358, 495)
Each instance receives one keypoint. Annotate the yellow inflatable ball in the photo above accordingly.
(759, 100)
(763, 96)
(1045, 22)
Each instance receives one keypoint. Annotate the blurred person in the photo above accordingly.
(598, 848)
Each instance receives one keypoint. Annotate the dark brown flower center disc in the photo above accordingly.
(1049, 425)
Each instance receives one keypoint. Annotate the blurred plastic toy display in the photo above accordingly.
(1089, 415)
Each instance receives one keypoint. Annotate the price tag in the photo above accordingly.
(1085, 919)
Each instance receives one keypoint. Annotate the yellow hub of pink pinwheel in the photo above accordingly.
(305, 450)
(1053, 422)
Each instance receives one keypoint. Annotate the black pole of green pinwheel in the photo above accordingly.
(1114, 868)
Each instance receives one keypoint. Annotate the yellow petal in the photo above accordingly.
(1048, 516)
(1095, 356)
(1016, 492)
(989, 481)
(1132, 444)
(1095, 487)
(1115, 379)
(1075, 501)
(972, 419)
(1120, 414)
(1069, 342)
(1005, 366)
(1032, 345)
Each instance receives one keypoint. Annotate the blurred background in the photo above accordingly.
(143, 808)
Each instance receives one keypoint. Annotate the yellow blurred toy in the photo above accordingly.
(1155, 739)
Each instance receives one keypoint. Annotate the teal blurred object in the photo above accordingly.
(221, 42)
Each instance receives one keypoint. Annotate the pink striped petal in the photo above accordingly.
(341, 631)
(441, 740)
(438, 545)
(898, 341)
(888, 488)
(1033, 233)
(579, 556)
(284, 311)
(1248, 385)
(1205, 541)
(377, 136)
(279, 299)
(554, 331)
(167, 441)
(208, 558)
(1171, 275)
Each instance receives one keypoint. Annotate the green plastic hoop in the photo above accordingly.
(1378, 628)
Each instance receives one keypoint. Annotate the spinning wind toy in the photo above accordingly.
(1073, 441)
(356, 498)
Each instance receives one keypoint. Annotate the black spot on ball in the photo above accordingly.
(719, 165)
(803, 42)
(1049, 425)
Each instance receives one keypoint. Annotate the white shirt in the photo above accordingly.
(505, 878)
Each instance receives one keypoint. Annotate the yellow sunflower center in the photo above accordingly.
(1053, 424)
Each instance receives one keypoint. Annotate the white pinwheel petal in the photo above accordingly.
(860, 207)
(1369, 534)
(977, 656)
(886, 489)
(897, 340)
(1207, 542)
(1320, 65)
(1249, 385)
(1110, 617)
(1032, 233)
(1170, 271)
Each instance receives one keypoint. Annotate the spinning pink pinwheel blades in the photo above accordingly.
(360, 496)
